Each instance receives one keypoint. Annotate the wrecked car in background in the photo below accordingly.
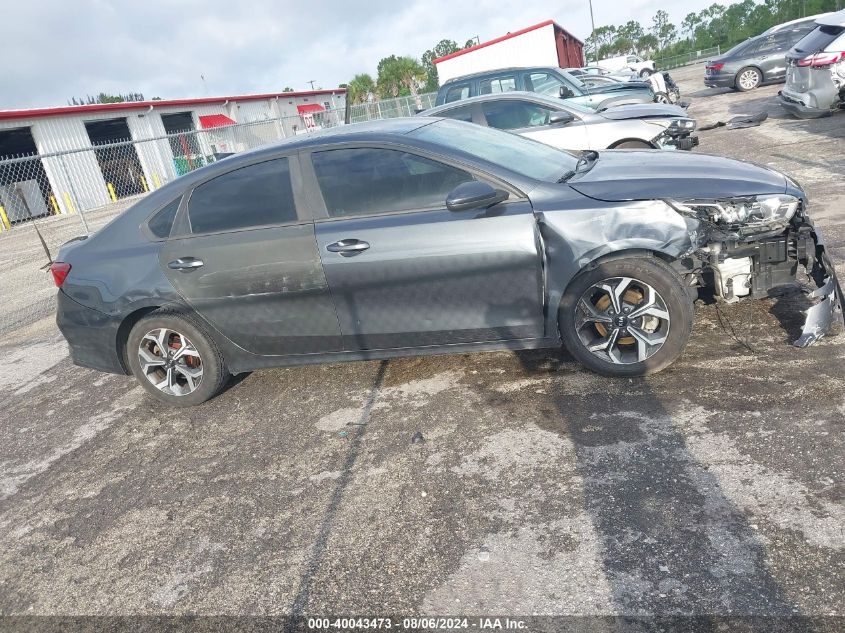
(815, 77)
(420, 236)
(572, 127)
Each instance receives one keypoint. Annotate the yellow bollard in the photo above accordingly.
(156, 181)
(5, 219)
(111, 192)
(144, 184)
(53, 202)
(69, 204)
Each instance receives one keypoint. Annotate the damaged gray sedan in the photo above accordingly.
(423, 236)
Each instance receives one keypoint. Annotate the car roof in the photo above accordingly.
(832, 19)
(496, 71)
(498, 96)
(793, 23)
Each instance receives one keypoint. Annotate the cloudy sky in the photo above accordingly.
(55, 49)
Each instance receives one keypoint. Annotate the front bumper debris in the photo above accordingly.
(821, 316)
(687, 142)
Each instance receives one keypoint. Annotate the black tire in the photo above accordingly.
(652, 271)
(645, 73)
(632, 144)
(214, 372)
(744, 86)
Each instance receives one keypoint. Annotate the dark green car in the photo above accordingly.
(547, 80)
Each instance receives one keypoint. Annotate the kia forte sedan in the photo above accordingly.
(423, 236)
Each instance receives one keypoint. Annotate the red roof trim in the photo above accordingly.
(138, 105)
(503, 38)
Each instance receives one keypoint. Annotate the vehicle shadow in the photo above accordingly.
(672, 542)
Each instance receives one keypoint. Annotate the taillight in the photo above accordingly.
(821, 59)
(716, 66)
(60, 271)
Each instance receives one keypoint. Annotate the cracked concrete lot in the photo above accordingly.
(714, 488)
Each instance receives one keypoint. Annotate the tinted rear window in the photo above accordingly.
(161, 223)
(257, 195)
(819, 39)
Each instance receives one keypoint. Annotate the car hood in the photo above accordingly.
(643, 111)
(620, 175)
(619, 87)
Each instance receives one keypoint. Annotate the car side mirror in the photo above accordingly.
(561, 118)
(566, 92)
(474, 195)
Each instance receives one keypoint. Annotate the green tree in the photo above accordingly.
(287, 89)
(646, 45)
(399, 76)
(600, 41)
(441, 49)
(663, 29)
(360, 88)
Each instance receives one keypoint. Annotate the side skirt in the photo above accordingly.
(242, 361)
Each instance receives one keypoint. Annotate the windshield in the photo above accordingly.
(516, 153)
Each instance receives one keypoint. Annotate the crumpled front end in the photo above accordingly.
(750, 264)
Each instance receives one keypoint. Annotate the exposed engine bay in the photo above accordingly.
(758, 243)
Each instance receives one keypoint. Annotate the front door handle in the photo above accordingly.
(185, 263)
(348, 247)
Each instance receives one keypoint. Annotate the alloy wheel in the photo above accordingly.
(622, 320)
(170, 362)
(749, 79)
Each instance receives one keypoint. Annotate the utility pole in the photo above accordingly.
(312, 81)
(593, 23)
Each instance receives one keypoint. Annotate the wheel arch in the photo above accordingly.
(125, 327)
(626, 253)
(616, 144)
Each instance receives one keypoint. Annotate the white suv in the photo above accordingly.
(642, 67)
(815, 75)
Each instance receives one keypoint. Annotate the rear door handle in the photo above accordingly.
(185, 263)
(348, 247)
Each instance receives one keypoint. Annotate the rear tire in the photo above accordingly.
(655, 309)
(175, 360)
(748, 78)
(645, 73)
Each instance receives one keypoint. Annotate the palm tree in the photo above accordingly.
(360, 88)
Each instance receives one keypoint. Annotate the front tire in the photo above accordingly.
(626, 317)
(175, 359)
(645, 73)
(748, 78)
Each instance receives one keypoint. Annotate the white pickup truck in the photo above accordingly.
(642, 67)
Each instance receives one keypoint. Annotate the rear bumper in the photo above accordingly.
(800, 110)
(720, 81)
(91, 335)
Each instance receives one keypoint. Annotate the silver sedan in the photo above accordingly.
(568, 126)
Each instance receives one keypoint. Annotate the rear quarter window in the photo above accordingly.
(161, 224)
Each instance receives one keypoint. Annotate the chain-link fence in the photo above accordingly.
(47, 199)
(691, 57)
(391, 108)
